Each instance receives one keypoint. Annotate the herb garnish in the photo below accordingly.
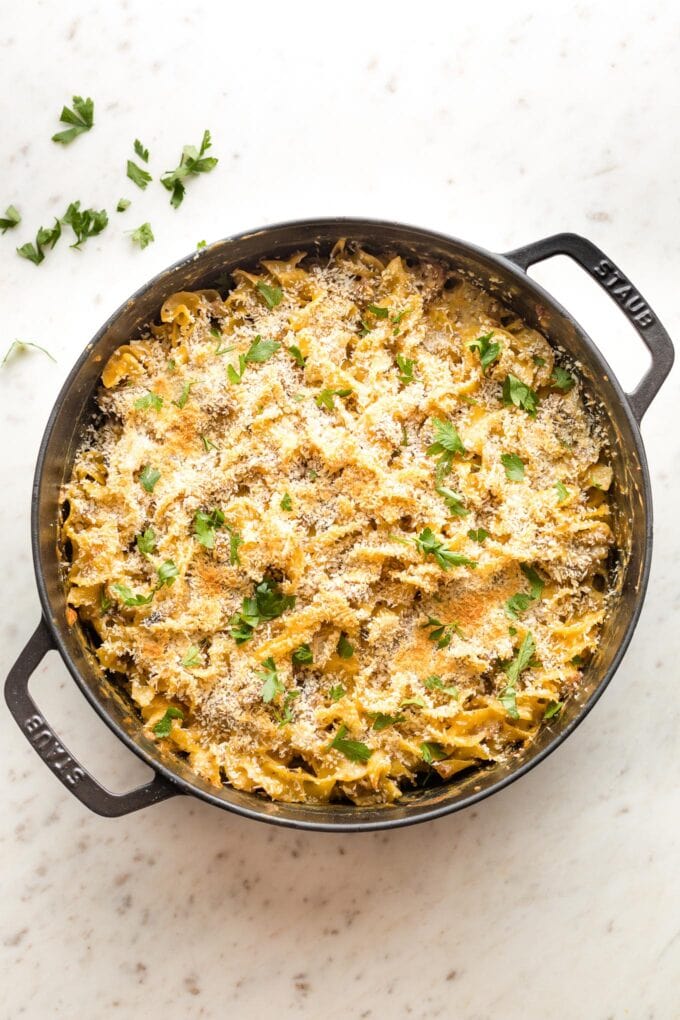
(123, 204)
(192, 657)
(205, 526)
(353, 750)
(303, 655)
(85, 222)
(514, 467)
(208, 444)
(164, 725)
(235, 541)
(273, 296)
(146, 542)
(286, 502)
(562, 492)
(380, 313)
(479, 535)
(143, 236)
(45, 236)
(141, 151)
(519, 603)
(405, 366)
(553, 708)
(517, 393)
(259, 351)
(184, 396)
(21, 345)
(453, 501)
(128, 597)
(272, 684)
(382, 720)
(562, 379)
(429, 546)
(325, 398)
(297, 355)
(11, 219)
(138, 175)
(81, 119)
(435, 683)
(167, 573)
(149, 400)
(148, 477)
(442, 632)
(522, 660)
(191, 163)
(336, 692)
(267, 603)
(488, 352)
(432, 751)
(447, 443)
(345, 649)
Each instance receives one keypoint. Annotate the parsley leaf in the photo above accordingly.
(167, 572)
(382, 720)
(429, 546)
(141, 151)
(380, 313)
(325, 398)
(303, 655)
(272, 684)
(337, 692)
(298, 355)
(514, 467)
(345, 649)
(138, 175)
(235, 541)
(522, 660)
(184, 396)
(146, 541)
(353, 750)
(517, 393)
(447, 443)
(148, 477)
(45, 236)
(164, 726)
(453, 501)
(286, 715)
(123, 204)
(205, 526)
(562, 492)
(128, 598)
(442, 632)
(488, 352)
(235, 375)
(519, 603)
(85, 222)
(208, 444)
(273, 296)
(416, 702)
(435, 683)
(479, 535)
(192, 657)
(268, 603)
(553, 708)
(405, 366)
(150, 400)
(192, 162)
(261, 350)
(432, 751)
(286, 503)
(508, 699)
(143, 236)
(81, 117)
(11, 219)
(562, 379)
(22, 345)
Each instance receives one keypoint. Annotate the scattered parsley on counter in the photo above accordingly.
(192, 162)
(138, 175)
(21, 345)
(141, 151)
(123, 204)
(81, 119)
(45, 236)
(11, 219)
(143, 236)
(85, 222)
(353, 750)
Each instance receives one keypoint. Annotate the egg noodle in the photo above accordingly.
(342, 530)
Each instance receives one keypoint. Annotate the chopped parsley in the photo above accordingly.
(353, 750)
(514, 467)
(429, 546)
(562, 379)
(146, 542)
(523, 659)
(562, 492)
(508, 699)
(138, 175)
(184, 396)
(267, 603)
(345, 649)
(46, 236)
(200, 245)
(553, 708)
(143, 236)
(478, 535)
(21, 345)
(297, 355)
(432, 751)
(141, 151)
(442, 633)
(148, 477)
(538, 360)
(192, 657)
(123, 204)
(519, 603)
(488, 352)
(447, 443)
(167, 573)
(149, 400)
(235, 541)
(11, 219)
(81, 119)
(382, 720)
(325, 398)
(453, 501)
(208, 444)
(303, 655)
(129, 598)
(435, 683)
(272, 685)
(405, 366)
(517, 393)
(273, 296)
(205, 526)
(336, 692)
(192, 162)
(164, 725)
(415, 702)
(286, 714)
(380, 313)
(286, 502)
(85, 222)
(259, 351)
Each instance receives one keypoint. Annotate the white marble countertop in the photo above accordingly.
(557, 898)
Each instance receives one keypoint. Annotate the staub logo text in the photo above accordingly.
(49, 748)
(624, 292)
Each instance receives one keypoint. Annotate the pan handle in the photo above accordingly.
(45, 741)
(633, 305)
